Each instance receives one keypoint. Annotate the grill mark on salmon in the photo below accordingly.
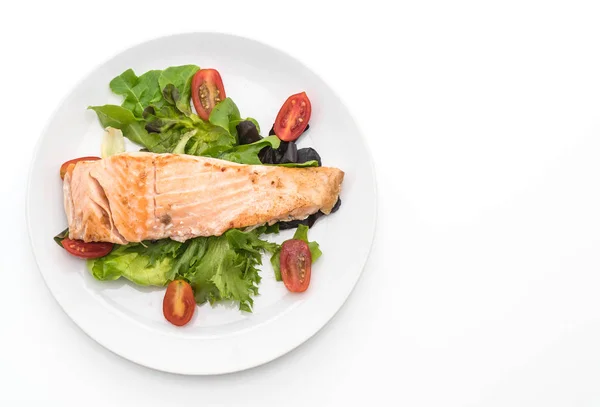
(132, 197)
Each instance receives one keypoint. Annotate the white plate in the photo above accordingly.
(127, 319)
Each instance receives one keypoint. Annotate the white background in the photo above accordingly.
(483, 285)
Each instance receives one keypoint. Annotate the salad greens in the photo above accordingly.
(218, 267)
(143, 263)
(311, 163)
(156, 114)
(139, 92)
(61, 236)
(176, 85)
(248, 153)
(123, 119)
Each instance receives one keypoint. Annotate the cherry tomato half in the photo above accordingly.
(295, 264)
(179, 304)
(293, 117)
(91, 250)
(65, 166)
(207, 91)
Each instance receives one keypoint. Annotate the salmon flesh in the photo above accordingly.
(132, 197)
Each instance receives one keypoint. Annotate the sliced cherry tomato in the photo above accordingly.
(295, 265)
(65, 166)
(91, 250)
(293, 117)
(179, 304)
(207, 91)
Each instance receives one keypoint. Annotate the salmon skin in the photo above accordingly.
(132, 197)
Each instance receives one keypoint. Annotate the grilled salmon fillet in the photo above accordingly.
(132, 197)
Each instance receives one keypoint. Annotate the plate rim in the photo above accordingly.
(72, 90)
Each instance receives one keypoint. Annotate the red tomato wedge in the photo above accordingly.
(92, 250)
(293, 117)
(295, 264)
(65, 166)
(179, 303)
(207, 91)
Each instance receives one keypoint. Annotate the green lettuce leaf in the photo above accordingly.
(209, 140)
(156, 114)
(61, 236)
(146, 264)
(275, 262)
(172, 126)
(218, 268)
(124, 84)
(250, 243)
(123, 119)
(168, 129)
(222, 268)
(228, 269)
(180, 147)
(311, 163)
(191, 251)
(180, 80)
(301, 234)
(167, 117)
(227, 116)
(274, 228)
(139, 92)
(248, 153)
